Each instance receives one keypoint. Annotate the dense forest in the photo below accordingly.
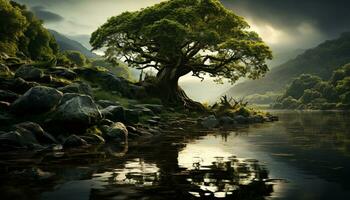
(312, 92)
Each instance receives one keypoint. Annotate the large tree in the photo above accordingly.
(178, 37)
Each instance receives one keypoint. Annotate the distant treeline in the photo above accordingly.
(311, 92)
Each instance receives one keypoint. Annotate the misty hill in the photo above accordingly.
(68, 44)
(321, 61)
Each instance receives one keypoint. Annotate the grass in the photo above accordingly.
(100, 94)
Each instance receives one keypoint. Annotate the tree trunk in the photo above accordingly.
(170, 92)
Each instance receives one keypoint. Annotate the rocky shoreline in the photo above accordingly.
(49, 107)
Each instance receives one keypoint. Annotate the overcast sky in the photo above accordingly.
(283, 24)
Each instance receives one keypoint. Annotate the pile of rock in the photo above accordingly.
(48, 107)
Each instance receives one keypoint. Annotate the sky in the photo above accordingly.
(285, 25)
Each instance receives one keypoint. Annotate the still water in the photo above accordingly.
(306, 155)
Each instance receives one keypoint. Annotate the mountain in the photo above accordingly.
(280, 57)
(68, 44)
(321, 61)
(82, 39)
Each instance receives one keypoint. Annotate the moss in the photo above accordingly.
(93, 130)
(151, 101)
(60, 81)
(107, 95)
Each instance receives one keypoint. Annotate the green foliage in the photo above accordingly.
(310, 95)
(198, 36)
(313, 93)
(119, 68)
(290, 103)
(21, 31)
(345, 98)
(299, 85)
(343, 85)
(266, 98)
(75, 57)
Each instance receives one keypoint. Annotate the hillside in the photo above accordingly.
(321, 61)
(67, 44)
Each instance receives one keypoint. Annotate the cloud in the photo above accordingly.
(45, 15)
(329, 17)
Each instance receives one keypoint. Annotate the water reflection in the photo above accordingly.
(296, 158)
(229, 178)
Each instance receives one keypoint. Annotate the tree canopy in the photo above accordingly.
(311, 92)
(21, 31)
(198, 36)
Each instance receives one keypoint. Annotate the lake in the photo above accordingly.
(306, 155)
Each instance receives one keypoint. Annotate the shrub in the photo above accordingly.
(310, 95)
(290, 103)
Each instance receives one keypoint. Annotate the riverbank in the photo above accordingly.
(44, 107)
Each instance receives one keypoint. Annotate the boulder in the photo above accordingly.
(8, 96)
(210, 122)
(241, 119)
(63, 72)
(29, 73)
(117, 131)
(15, 139)
(142, 109)
(13, 62)
(106, 122)
(74, 141)
(39, 99)
(4, 70)
(77, 87)
(107, 103)
(10, 140)
(93, 139)
(17, 85)
(114, 113)
(77, 112)
(256, 119)
(4, 106)
(35, 129)
(227, 121)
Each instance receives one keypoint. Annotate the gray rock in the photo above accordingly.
(93, 139)
(210, 122)
(107, 103)
(29, 73)
(156, 108)
(8, 96)
(227, 121)
(74, 141)
(63, 72)
(77, 87)
(117, 131)
(11, 139)
(152, 122)
(256, 119)
(78, 112)
(241, 119)
(106, 122)
(4, 70)
(4, 106)
(15, 139)
(17, 85)
(39, 99)
(35, 129)
(114, 113)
